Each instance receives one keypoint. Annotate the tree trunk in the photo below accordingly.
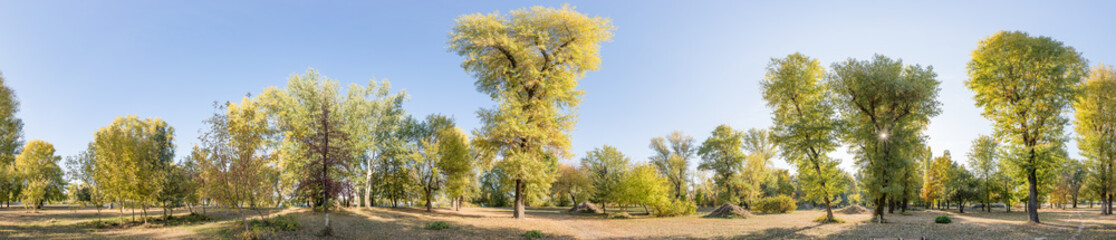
(961, 206)
(879, 212)
(368, 190)
(429, 206)
(1032, 194)
(121, 216)
(520, 200)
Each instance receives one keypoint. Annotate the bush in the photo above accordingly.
(534, 234)
(942, 219)
(619, 215)
(285, 223)
(821, 219)
(439, 225)
(777, 204)
(675, 208)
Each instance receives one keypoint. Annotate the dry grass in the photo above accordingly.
(496, 223)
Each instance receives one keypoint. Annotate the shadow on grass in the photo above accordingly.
(391, 224)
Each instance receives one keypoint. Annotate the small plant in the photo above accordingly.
(534, 234)
(285, 223)
(439, 225)
(943, 219)
(619, 215)
(822, 219)
(675, 208)
(777, 204)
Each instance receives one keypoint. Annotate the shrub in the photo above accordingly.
(777, 204)
(619, 215)
(534, 234)
(675, 208)
(285, 223)
(942, 219)
(439, 225)
(821, 219)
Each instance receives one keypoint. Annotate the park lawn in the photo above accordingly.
(58, 222)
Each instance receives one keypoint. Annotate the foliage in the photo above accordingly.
(643, 185)
(672, 159)
(776, 204)
(529, 62)
(722, 153)
(1095, 122)
(607, 168)
(37, 166)
(1024, 85)
(439, 225)
(534, 234)
(11, 142)
(984, 159)
(942, 219)
(128, 158)
(675, 207)
(573, 184)
(884, 105)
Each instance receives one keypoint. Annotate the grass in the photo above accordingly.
(59, 222)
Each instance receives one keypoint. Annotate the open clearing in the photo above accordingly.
(59, 222)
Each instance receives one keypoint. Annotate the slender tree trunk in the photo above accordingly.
(429, 205)
(880, 202)
(520, 201)
(121, 216)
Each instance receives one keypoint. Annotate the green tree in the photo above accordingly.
(723, 154)
(313, 119)
(1025, 83)
(11, 140)
(607, 167)
(128, 156)
(761, 149)
(530, 63)
(643, 186)
(962, 186)
(37, 167)
(672, 159)
(1095, 124)
(458, 164)
(804, 122)
(885, 106)
(984, 160)
(237, 162)
(573, 183)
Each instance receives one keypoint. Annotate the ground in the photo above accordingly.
(61, 222)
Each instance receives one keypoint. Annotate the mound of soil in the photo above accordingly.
(586, 207)
(729, 211)
(853, 209)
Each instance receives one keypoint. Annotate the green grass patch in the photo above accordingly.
(439, 225)
(619, 215)
(534, 234)
(822, 219)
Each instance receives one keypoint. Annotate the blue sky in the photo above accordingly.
(680, 65)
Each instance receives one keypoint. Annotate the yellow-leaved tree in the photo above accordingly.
(529, 62)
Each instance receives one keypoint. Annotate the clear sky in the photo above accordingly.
(678, 65)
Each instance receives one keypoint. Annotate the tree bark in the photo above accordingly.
(520, 201)
(1032, 192)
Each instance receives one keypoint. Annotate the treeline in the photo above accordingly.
(318, 144)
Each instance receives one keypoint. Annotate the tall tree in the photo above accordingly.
(529, 63)
(984, 160)
(886, 105)
(458, 163)
(11, 141)
(37, 167)
(607, 167)
(757, 166)
(129, 155)
(1095, 124)
(804, 123)
(375, 117)
(723, 154)
(312, 117)
(236, 156)
(1025, 84)
(937, 177)
(672, 159)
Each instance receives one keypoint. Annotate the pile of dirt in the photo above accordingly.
(853, 209)
(729, 211)
(586, 207)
